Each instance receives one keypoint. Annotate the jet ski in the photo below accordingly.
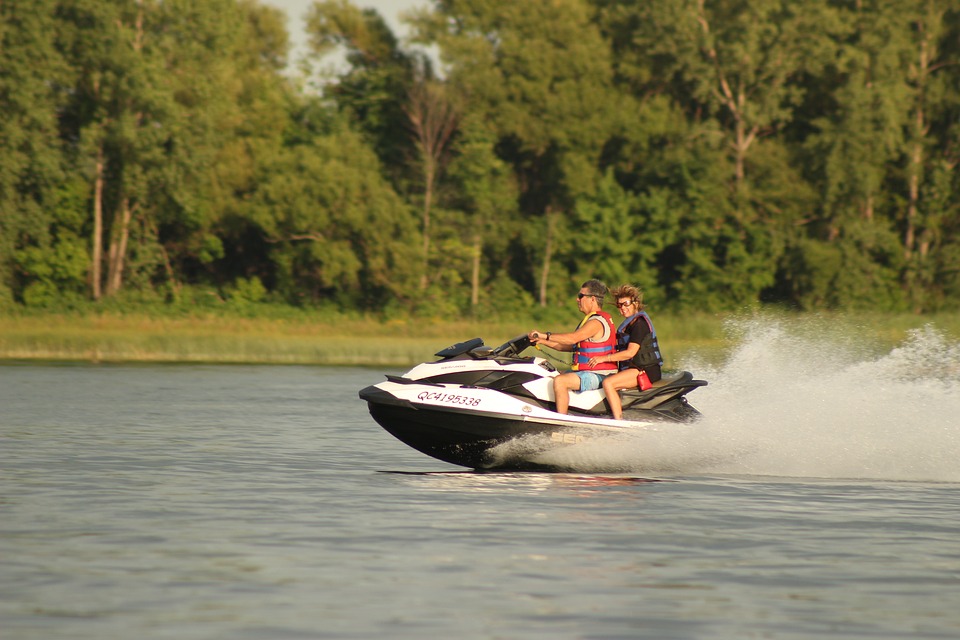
(493, 408)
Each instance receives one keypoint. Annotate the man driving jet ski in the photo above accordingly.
(595, 336)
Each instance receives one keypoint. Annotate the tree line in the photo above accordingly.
(719, 154)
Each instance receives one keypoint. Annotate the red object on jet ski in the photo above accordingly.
(643, 381)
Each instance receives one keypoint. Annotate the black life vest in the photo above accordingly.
(649, 353)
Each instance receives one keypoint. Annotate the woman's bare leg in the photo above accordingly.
(614, 383)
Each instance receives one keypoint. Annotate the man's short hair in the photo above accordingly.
(596, 289)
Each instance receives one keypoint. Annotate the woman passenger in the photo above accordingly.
(638, 352)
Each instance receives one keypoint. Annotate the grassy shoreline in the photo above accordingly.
(364, 341)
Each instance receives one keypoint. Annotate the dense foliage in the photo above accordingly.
(718, 153)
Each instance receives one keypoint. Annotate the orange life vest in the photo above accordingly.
(586, 349)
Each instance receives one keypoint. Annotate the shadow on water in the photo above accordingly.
(533, 479)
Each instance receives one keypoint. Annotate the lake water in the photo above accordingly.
(263, 502)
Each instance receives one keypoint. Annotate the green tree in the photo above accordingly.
(931, 73)
(539, 73)
(433, 120)
(374, 90)
(336, 228)
(164, 91)
(235, 112)
(112, 104)
(857, 109)
(53, 266)
(33, 76)
(733, 70)
(877, 114)
(485, 189)
(735, 61)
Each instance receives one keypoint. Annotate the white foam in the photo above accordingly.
(804, 401)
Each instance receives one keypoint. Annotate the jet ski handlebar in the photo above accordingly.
(512, 347)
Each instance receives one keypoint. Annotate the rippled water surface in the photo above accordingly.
(263, 502)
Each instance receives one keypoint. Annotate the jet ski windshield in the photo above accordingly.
(459, 348)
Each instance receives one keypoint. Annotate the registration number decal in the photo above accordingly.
(449, 398)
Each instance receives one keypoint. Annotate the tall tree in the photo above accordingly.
(486, 191)
(118, 114)
(856, 111)
(933, 56)
(164, 91)
(433, 122)
(876, 114)
(336, 228)
(735, 60)
(374, 89)
(33, 81)
(734, 71)
(234, 112)
(539, 72)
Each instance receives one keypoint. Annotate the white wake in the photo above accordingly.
(805, 402)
